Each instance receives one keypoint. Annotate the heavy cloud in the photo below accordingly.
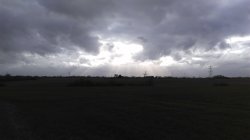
(164, 27)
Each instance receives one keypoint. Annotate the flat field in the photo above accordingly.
(77, 108)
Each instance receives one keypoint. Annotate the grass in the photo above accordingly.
(175, 109)
(90, 82)
(1, 84)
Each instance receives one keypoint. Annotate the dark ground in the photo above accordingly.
(122, 109)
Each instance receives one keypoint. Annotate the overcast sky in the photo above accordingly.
(128, 37)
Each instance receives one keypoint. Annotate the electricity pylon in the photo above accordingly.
(210, 71)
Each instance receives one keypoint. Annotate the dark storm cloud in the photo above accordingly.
(26, 26)
(46, 27)
(87, 9)
(181, 25)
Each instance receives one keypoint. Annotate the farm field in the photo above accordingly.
(74, 108)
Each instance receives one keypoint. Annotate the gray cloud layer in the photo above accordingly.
(47, 27)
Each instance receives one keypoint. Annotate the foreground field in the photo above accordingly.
(165, 109)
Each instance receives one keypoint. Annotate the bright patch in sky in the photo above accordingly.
(238, 44)
(120, 53)
(114, 53)
(167, 61)
(237, 39)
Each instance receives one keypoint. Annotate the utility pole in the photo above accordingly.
(145, 74)
(210, 71)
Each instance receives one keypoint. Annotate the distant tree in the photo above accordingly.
(7, 75)
(118, 76)
(220, 77)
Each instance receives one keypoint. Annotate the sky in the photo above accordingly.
(128, 37)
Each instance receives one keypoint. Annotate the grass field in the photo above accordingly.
(125, 109)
